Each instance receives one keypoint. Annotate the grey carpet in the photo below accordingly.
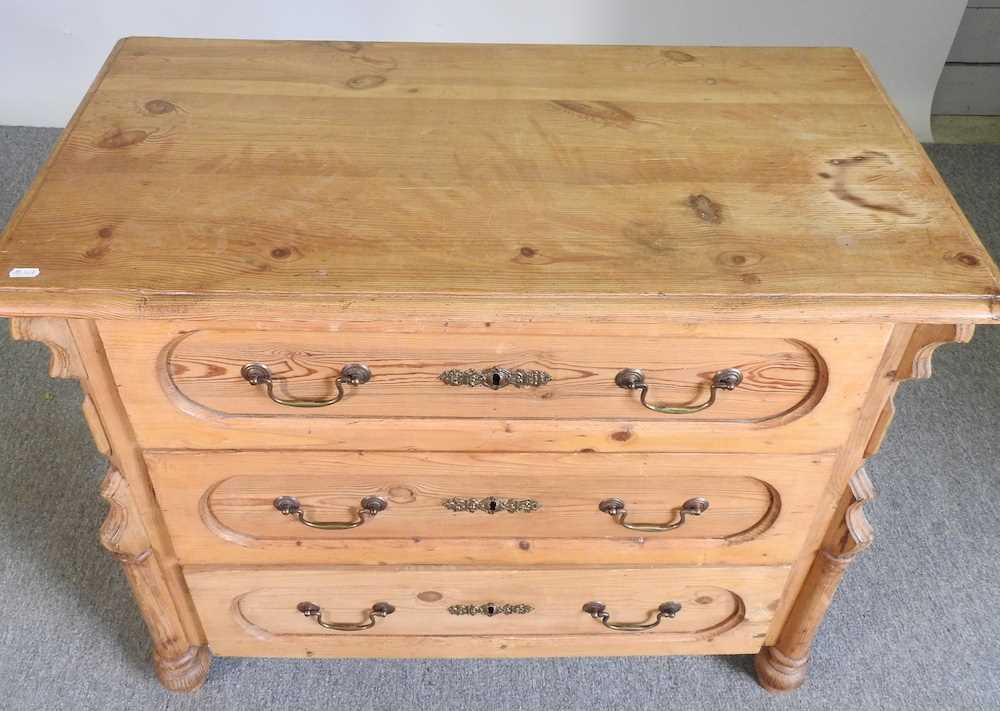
(914, 626)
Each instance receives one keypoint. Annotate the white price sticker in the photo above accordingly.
(24, 272)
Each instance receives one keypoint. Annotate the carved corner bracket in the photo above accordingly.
(65, 362)
(916, 363)
(55, 334)
(926, 338)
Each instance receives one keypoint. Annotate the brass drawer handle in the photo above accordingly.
(491, 505)
(635, 379)
(379, 609)
(370, 506)
(495, 378)
(615, 508)
(598, 610)
(491, 609)
(260, 374)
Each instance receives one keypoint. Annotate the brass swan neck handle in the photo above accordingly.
(260, 374)
(635, 379)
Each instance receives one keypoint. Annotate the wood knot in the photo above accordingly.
(738, 260)
(118, 138)
(705, 209)
(528, 252)
(966, 259)
(105, 232)
(429, 596)
(401, 495)
(600, 111)
(159, 106)
(281, 252)
(365, 81)
(621, 436)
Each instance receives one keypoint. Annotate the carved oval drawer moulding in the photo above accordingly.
(269, 614)
(240, 510)
(200, 372)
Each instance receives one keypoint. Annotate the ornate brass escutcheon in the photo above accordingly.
(491, 505)
(496, 378)
(491, 609)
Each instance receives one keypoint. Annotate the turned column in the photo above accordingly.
(783, 666)
(133, 531)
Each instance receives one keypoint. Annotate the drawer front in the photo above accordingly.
(261, 611)
(529, 387)
(488, 508)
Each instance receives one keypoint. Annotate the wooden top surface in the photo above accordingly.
(203, 176)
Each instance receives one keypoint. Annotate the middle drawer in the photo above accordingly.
(445, 507)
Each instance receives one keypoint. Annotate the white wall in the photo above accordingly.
(51, 49)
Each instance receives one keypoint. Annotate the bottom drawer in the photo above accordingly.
(476, 612)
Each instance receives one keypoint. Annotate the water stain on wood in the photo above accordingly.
(348, 47)
(119, 138)
(676, 55)
(845, 167)
(365, 81)
(653, 235)
(603, 112)
(385, 64)
(705, 208)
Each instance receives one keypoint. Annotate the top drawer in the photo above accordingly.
(524, 387)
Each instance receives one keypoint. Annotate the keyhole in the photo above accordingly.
(496, 380)
(493, 505)
(491, 610)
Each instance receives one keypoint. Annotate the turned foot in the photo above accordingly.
(184, 673)
(777, 672)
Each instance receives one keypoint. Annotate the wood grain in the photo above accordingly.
(253, 611)
(219, 507)
(329, 171)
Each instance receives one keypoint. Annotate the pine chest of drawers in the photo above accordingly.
(452, 350)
